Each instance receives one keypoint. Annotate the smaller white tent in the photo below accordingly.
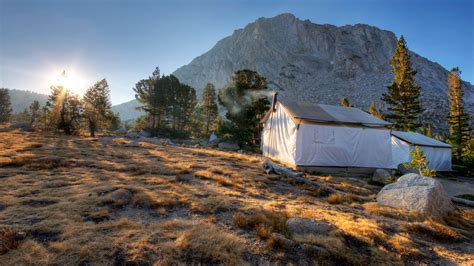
(438, 154)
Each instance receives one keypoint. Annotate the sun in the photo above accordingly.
(68, 79)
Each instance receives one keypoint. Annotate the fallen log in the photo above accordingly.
(271, 167)
(463, 201)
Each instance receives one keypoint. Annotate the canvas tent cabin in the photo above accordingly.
(320, 137)
(438, 154)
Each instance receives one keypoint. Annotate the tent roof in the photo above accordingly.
(419, 139)
(323, 113)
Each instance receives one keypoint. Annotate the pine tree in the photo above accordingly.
(97, 106)
(34, 111)
(457, 119)
(345, 102)
(64, 109)
(208, 107)
(246, 102)
(5, 105)
(153, 99)
(403, 95)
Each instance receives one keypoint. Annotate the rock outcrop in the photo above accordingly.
(419, 194)
(320, 63)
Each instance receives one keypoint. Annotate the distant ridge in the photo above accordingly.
(22, 99)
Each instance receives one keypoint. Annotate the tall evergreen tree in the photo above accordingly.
(64, 109)
(208, 107)
(457, 119)
(97, 106)
(152, 98)
(246, 102)
(34, 111)
(5, 105)
(403, 95)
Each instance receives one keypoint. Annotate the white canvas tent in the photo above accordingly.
(316, 135)
(438, 154)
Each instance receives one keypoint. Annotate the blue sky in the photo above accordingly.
(124, 40)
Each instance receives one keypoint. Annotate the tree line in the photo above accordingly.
(65, 111)
(172, 108)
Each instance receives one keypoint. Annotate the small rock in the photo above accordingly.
(144, 134)
(416, 193)
(133, 143)
(381, 176)
(282, 241)
(121, 131)
(121, 196)
(106, 140)
(167, 142)
(20, 235)
(228, 146)
(307, 226)
(132, 135)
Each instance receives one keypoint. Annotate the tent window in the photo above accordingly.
(324, 135)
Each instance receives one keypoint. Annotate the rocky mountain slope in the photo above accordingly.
(320, 63)
(127, 110)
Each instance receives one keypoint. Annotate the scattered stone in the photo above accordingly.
(106, 140)
(23, 126)
(134, 143)
(281, 241)
(381, 176)
(121, 131)
(307, 226)
(132, 135)
(228, 146)
(20, 235)
(144, 134)
(167, 142)
(121, 196)
(150, 140)
(416, 193)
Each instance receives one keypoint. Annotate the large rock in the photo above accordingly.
(416, 193)
(228, 146)
(381, 176)
(306, 226)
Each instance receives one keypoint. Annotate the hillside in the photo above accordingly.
(320, 63)
(22, 100)
(79, 201)
(127, 110)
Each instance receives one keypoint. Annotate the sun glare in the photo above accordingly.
(70, 80)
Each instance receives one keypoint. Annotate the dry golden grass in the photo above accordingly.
(337, 198)
(185, 205)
